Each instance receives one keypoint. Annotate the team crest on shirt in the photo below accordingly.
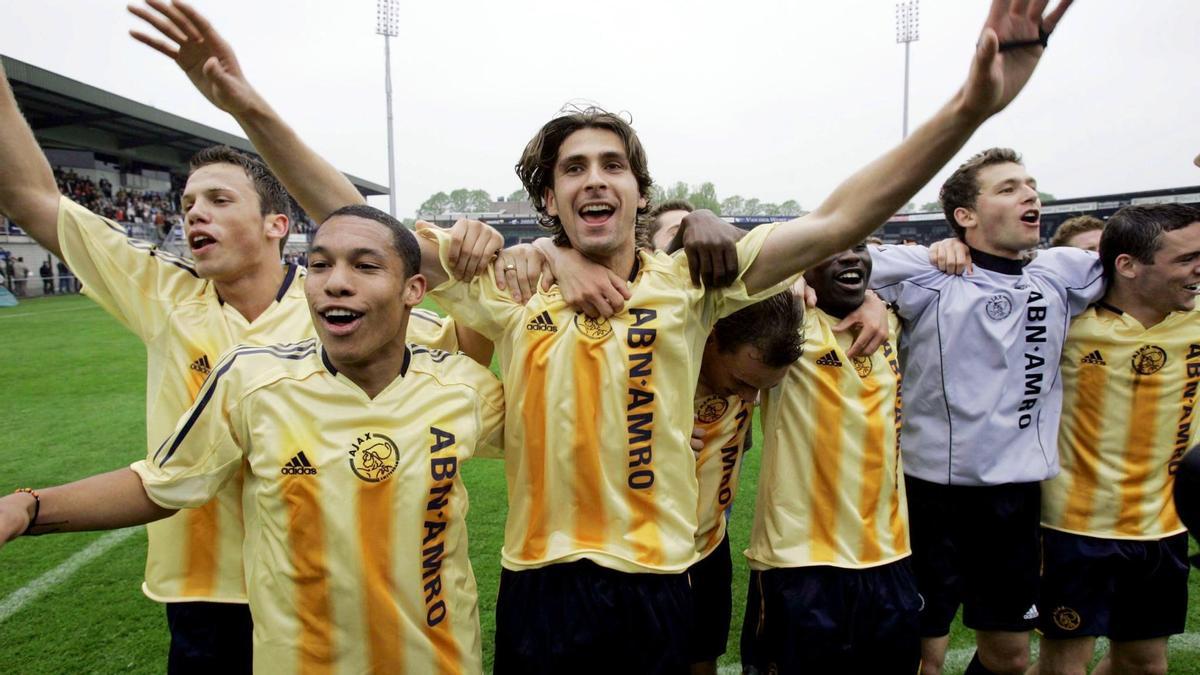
(1149, 360)
(1066, 618)
(595, 329)
(374, 457)
(862, 365)
(998, 307)
(712, 409)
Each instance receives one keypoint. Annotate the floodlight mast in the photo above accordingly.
(907, 32)
(387, 24)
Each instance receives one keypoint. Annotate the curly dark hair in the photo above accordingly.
(962, 187)
(536, 166)
(272, 196)
(774, 326)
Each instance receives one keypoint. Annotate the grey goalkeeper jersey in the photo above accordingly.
(979, 355)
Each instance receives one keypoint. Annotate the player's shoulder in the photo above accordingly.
(450, 369)
(250, 367)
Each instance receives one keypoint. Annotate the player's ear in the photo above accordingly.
(965, 217)
(1125, 265)
(414, 290)
(551, 205)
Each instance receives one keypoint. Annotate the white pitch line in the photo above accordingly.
(49, 311)
(957, 659)
(30, 591)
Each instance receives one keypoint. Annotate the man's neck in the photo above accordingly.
(621, 262)
(381, 370)
(253, 292)
(837, 311)
(1125, 300)
(979, 244)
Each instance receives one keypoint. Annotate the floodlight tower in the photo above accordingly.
(907, 32)
(387, 24)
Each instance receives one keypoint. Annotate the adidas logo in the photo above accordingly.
(1094, 358)
(542, 322)
(299, 466)
(201, 366)
(1031, 613)
(830, 359)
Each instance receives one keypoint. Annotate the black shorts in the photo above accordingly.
(712, 598)
(210, 637)
(978, 546)
(580, 617)
(826, 619)
(1120, 589)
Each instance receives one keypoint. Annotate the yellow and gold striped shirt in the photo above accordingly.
(600, 412)
(195, 554)
(725, 422)
(831, 487)
(1129, 394)
(355, 512)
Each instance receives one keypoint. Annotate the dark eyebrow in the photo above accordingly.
(354, 253)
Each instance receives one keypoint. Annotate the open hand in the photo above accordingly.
(998, 75)
(187, 38)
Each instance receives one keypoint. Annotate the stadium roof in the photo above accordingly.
(68, 114)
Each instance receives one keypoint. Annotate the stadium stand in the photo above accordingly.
(120, 158)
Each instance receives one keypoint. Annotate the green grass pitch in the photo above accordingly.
(72, 385)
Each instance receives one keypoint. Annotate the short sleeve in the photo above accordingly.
(721, 302)
(203, 452)
(892, 265)
(477, 303)
(133, 280)
(428, 329)
(491, 416)
(1076, 273)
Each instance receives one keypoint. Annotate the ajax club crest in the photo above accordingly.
(1149, 360)
(998, 307)
(595, 329)
(711, 409)
(374, 457)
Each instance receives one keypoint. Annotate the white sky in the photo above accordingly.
(774, 99)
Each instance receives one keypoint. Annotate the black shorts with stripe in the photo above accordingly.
(579, 617)
(979, 547)
(712, 597)
(1117, 588)
(825, 619)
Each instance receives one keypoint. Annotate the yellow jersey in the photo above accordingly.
(195, 555)
(831, 485)
(600, 411)
(355, 511)
(1128, 417)
(725, 423)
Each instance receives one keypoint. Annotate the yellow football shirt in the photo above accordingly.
(194, 555)
(355, 511)
(197, 554)
(725, 422)
(600, 412)
(1129, 394)
(831, 487)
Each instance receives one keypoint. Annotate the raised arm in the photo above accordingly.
(104, 502)
(28, 193)
(187, 38)
(1009, 49)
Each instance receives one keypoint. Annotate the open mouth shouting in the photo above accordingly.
(1194, 289)
(340, 321)
(200, 242)
(1032, 217)
(596, 213)
(851, 279)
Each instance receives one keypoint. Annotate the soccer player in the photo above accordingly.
(233, 290)
(1081, 232)
(602, 487)
(356, 545)
(665, 220)
(831, 589)
(1114, 550)
(980, 425)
